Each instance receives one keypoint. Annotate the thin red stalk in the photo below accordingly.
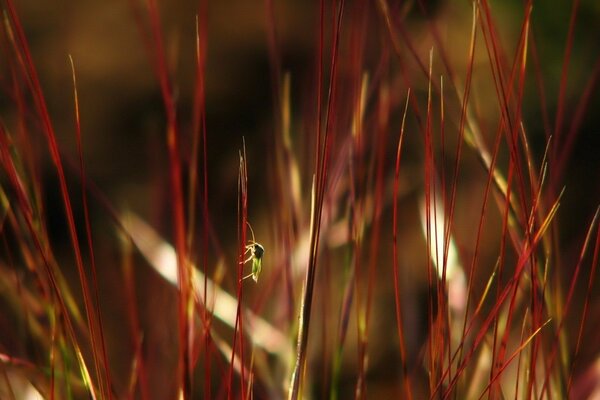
(357, 42)
(409, 43)
(520, 65)
(378, 204)
(565, 75)
(518, 372)
(357, 210)
(361, 337)
(242, 223)
(384, 9)
(26, 312)
(503, 238)
(454, 182)
(399, 327)
(274, 58)
(88, 230)
(376, 227)
(205, 223)
(566, 149)
(241, 255)
(357, 191)
(319, 115)
(350, 291)
(540, 86)
(199, 135)
(439, 43)
(327, 350)
(53, 358)
(442, 298)
(538, 290)
(280, 157)
(28, 152)
(321, 173)
(283, 156)
(284, 211)
(352, 287)
(138, 372)
(498, 359)
(197, 119)
(143, 29)
(496, 63)
(183, 267)
(8, 385)
(133, 312)
(585, 309)
(480, 227)
(430, 215)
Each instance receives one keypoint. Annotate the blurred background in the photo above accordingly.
(123, 126)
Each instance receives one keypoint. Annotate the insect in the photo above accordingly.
(256, 251)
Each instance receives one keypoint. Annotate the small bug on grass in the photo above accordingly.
(256, 251)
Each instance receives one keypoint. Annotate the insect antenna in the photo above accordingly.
(251, 230)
